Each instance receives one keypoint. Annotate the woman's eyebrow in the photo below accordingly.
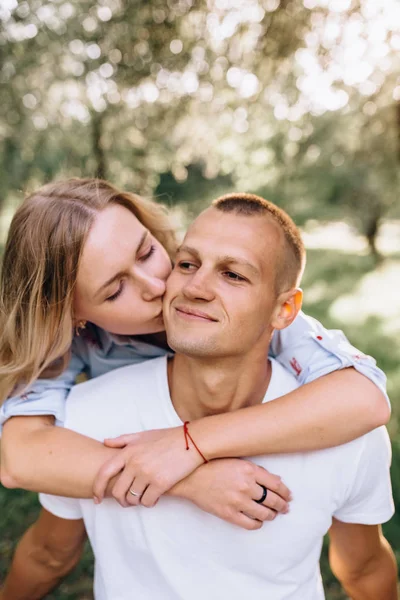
(118, 275)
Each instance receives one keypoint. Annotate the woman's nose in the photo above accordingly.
(152, 287)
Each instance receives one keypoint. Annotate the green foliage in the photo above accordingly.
(131, 91)
(195, 193)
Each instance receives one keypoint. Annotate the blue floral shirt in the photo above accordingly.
(305, 348)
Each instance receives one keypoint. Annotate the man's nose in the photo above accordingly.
(199, 286)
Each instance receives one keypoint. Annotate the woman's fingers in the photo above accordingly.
(134, 493)
(272, 500)
(150, 496)
(120, 490)
(110, 468)
(121, 441)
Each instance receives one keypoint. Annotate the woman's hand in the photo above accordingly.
(149, 464)
(228, 488)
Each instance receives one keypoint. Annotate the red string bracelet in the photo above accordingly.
(189, 437)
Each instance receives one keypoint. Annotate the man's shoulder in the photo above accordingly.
(115, 379)
(103, 398)
(369, 442)
(282, 382)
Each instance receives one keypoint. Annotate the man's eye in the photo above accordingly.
(233, 276)
(186, 265)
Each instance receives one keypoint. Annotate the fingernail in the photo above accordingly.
(96, 500)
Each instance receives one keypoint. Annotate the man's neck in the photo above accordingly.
(200, 387)
(155, 339)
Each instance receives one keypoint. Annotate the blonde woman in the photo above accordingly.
(83, 276)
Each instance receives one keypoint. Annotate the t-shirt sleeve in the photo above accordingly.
(65, 508)
(369, 498)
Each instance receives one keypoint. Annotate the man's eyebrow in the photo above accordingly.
(226, 259)
(239, 261)
(120, 273)
(189, 250)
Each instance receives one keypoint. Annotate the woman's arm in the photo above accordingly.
(338, 404)
(327, 412)
(31, 415)
(309, 351)
(69, 462)
(46, 396)
(37, 456)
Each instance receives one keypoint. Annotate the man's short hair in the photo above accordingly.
(290, 265)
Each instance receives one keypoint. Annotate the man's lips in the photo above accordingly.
(193, 313)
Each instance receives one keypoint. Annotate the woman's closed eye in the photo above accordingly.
(117, 293)
(120, 289)
(148, 254)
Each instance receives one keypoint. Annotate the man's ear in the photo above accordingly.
(287, 308)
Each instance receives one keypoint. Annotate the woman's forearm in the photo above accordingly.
(327, 412)
(39, 457)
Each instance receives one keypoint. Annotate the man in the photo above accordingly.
(236, 280)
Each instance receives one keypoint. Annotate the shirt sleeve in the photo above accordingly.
(65, 508)
(46, 396)
(310, 351)
(369, 498)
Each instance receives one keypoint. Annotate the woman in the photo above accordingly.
(81, 254)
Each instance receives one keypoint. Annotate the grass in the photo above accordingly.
(329, 275)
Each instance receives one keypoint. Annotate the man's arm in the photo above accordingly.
(48, 551)
(362, 560)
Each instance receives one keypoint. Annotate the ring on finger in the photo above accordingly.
(264, 494)
(134, 493)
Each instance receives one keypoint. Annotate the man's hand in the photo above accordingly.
(363, 561)
(228, 488)
(149, 463)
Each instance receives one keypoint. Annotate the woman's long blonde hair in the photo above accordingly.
(40, 265)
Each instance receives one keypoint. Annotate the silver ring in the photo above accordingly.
(264, 494)
(134, 493)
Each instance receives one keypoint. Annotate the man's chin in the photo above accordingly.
(190, 346)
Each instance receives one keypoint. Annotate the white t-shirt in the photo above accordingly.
(175, 551)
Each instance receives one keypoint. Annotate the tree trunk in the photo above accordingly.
(371, 233)
(398, 129)
(98, 150)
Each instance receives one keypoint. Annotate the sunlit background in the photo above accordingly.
(185, 100)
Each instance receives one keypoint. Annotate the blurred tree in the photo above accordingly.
(121, 77)
(290, 98)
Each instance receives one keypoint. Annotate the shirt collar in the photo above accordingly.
(108, 339)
